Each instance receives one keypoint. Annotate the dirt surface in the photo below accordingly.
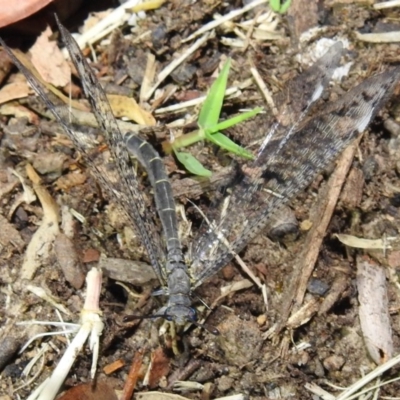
(304, 338)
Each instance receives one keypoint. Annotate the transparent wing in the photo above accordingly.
(122, 187)
(286, 165)
(292, 105)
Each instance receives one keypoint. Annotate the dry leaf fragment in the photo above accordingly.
(89, 391)
(374, 309)
(124, 106)
(361, 243)
(68, 260)
(57, 72)
(70, 180)
(16, 110)
(25, 61)
(13, 91)
(137, 273)
(160, 367)
(42, 241)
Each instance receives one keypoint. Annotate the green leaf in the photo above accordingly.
(285, 6)
(234, 120)
(223, 141)
(277, 7)
(211, 108)
(209, 127)
(192, 164)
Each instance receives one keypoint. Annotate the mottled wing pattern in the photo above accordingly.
(292, 105)
(286, 167)
(300, 94)
(123, 188)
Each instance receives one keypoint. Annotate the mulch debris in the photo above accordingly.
(310, 339)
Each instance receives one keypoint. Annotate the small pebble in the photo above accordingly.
(261, 319)
(318, 287)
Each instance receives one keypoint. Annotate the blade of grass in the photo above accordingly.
(211, 109)
(279, 7)
(233, 121)
(192, 164)
(223, 141)
(185, 140)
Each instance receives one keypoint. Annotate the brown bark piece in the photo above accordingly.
(69, 261)
(374, 309)
(353, 189)
(303, 15)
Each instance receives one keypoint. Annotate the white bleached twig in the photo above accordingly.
(232, 91)
(233, 14)
(176, 62)
(116, 18)
(90, 327)
(386, 4)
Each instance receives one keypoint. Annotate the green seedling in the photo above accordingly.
(278, 6)
(210, 127)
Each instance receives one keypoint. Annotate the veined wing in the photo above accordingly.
(292, 104)
(124, 189)
(300, 94)
(286, 167)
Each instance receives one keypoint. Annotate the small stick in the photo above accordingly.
(308, 258)
(133, 376)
